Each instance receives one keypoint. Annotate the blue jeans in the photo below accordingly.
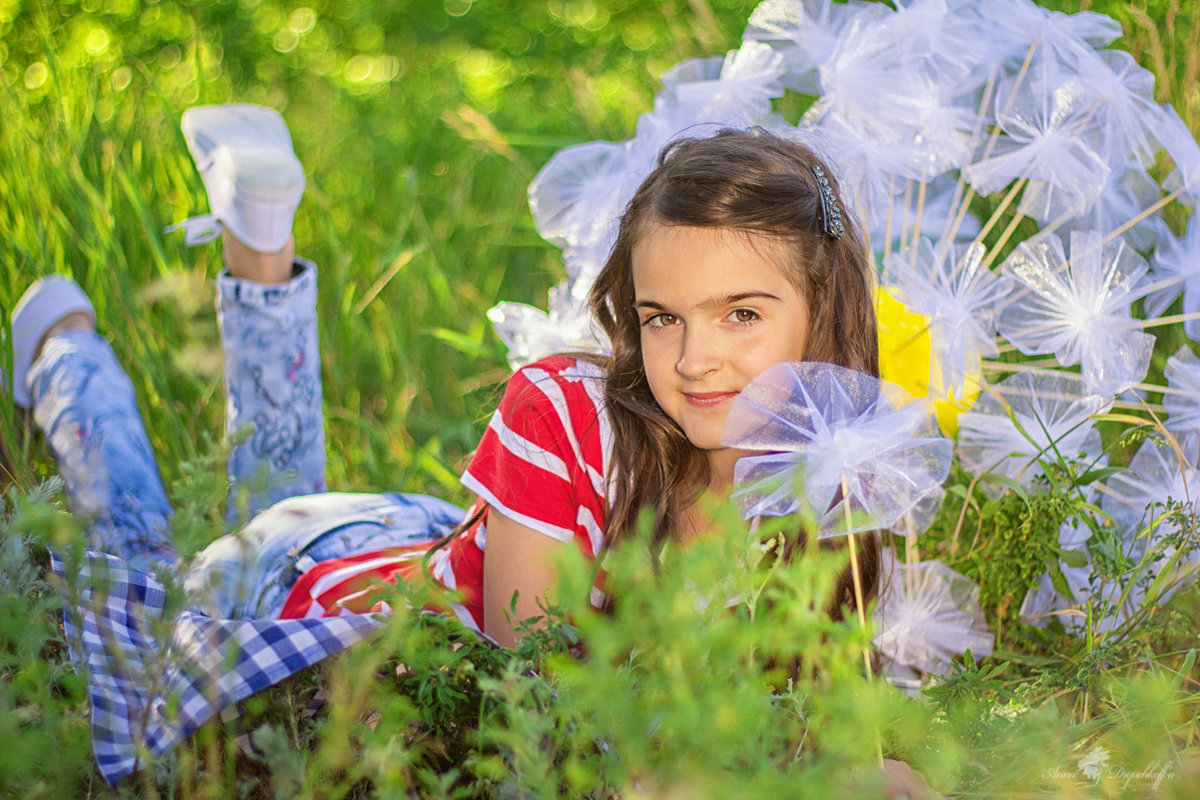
(84, 403)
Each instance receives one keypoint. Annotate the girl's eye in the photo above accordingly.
(743, 315)
(661, 320)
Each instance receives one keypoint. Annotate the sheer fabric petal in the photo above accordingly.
(834, 432)
(1079, 310)
(927, 614)
(1024, 420)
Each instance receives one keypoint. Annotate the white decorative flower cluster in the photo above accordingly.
(921, 109)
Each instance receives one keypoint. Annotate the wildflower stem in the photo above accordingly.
(1017, 186)
(1171, 320)
(1004, 237)
(916, 233)
(855, 573)
(955, 220)
(1043, 367)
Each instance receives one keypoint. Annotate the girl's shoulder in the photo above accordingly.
(564, 367)
(556, 404)
(560, 380)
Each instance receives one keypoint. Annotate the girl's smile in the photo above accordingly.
(709, 399)
(716, 309)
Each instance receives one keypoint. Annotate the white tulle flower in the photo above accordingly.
(804, 32)
(1180, 144)
(578, 196)
(1176, 271)
(1128, 191)
(1135, 497)
(1025, 420)
(950, 285)
(1126, 114)
(1066, 38)
(1079, 311)
(735, 90)
(530, 333)
(1046, 123)
(1137, 501)
(871, 173)
(833, 431)
(1182, 400)
(927, 614)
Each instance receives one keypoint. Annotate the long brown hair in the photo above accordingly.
(764, 186)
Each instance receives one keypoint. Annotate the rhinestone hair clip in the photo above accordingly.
(831, 214)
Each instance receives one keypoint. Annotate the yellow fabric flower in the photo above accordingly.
(906, 359)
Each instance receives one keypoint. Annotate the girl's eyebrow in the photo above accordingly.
(712, 302)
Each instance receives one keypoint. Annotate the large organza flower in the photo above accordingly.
(1182, 396)
(1138, 500)
(1181, 145)
(1065, 38)
(736, 89)
(1175, 271)
(927, 614)
(1079, 310)
(870, 172)
(949, 284)
(578, 196)
(805, 32)
(884, 83)
(1046, 122)
(1025, 420)
(1123, 99)
(1128, 192)
(947, 40)
(840, 442)
(530, 333)
(1136, 497)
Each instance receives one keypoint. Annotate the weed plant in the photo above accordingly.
(716, 673)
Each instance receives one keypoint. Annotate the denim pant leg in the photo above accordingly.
(250, 572)
(85, 405)
(273, 389)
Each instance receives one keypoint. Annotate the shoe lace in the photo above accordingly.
(198, 230)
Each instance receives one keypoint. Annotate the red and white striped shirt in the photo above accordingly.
(543, 462)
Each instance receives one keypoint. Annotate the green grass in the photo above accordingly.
(420, 125)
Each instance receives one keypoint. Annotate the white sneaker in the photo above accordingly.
(253, 178)
(43, 304)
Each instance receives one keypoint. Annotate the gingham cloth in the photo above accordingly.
(149, 694)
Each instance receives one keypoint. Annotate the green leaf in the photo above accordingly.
(1093, 475)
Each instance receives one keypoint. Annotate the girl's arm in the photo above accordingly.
(519, 559)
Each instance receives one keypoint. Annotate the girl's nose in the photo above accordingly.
(699, 355)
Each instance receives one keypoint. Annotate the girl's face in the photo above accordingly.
(715, 311)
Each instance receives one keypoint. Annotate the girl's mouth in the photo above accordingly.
(708, 399)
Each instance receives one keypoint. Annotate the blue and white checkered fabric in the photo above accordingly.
(152, 681)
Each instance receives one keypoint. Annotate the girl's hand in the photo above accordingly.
(518, 559)
(901, 780)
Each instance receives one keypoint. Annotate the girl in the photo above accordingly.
(732, 256)
(726, 262)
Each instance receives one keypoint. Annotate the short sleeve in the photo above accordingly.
(542, 460)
